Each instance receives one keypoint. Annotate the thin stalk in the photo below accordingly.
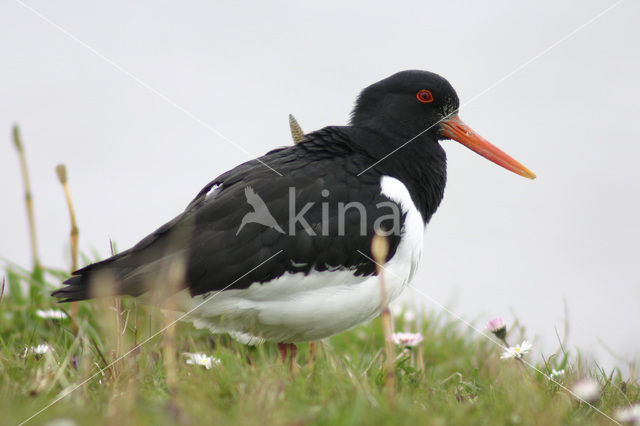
(117, 304)
(175, 276)
(61, 171)
(420, 356)
(297, 134)
(28, 196)
(380, 250)
(2, 289)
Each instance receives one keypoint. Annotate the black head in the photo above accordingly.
(406, 104)
(421, 103)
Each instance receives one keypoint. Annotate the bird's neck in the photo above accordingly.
(420, 164)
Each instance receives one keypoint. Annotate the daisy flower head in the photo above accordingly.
(517, 351)
(586, 389)
(409, 315)
(629, 415)
(498, 327)
(41, 349)
(556, 373)
(201, 359)
(51, 314)
(407, 339)
(396, 310)
(400, 311)
(61, 422)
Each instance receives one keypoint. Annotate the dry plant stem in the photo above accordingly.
(175, 274)
(297, 134)
(17, 141)
(61, 171)
(117, 303)
(85, 359)
(2, 289)
(420, 357)
(313, 350)
(296, 131)
(108, 324)
(169, 350)
(380, 250)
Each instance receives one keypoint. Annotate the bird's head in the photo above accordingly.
(414, 103)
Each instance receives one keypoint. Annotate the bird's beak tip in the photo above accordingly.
(457, 130)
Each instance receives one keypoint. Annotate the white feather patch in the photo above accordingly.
(297, 307)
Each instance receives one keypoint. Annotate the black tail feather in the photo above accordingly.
(132, 272)
(117, 276)
(75, 289)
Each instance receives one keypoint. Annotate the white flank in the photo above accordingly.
(297, 307)
(409, 250)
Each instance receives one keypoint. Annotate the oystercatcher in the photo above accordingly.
(278, 248)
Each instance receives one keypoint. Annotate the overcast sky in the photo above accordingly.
(147, 101)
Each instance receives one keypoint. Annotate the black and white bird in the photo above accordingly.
(278, 248)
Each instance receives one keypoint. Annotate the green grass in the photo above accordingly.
(464, 382)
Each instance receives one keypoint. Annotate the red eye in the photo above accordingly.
(424, 96)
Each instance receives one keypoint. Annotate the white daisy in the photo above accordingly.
(201, 359)
(51, 314)
(517, 351)
(61, 422)
(630, 415)
(396, 310)
(407, 339)
(586, 389)
(409, 315)
(41, 349)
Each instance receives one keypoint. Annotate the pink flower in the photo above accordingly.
(630, 415)
(407, 339)
(498, 327)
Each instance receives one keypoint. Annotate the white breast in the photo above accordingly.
(409, 250)
(297, 307)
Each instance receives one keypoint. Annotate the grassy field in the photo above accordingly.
(464, 380)
(117, 362)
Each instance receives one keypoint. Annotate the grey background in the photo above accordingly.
(499, 245)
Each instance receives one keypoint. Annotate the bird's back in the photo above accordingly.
(203, 238)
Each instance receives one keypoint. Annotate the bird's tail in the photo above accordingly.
(158, 262)
(75, 288)
(99, 279)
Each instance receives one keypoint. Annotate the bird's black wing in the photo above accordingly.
(319, 178)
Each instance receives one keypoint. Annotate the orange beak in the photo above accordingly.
(456, 129)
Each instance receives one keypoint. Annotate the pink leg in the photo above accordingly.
(313, 348)
(288, 350)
